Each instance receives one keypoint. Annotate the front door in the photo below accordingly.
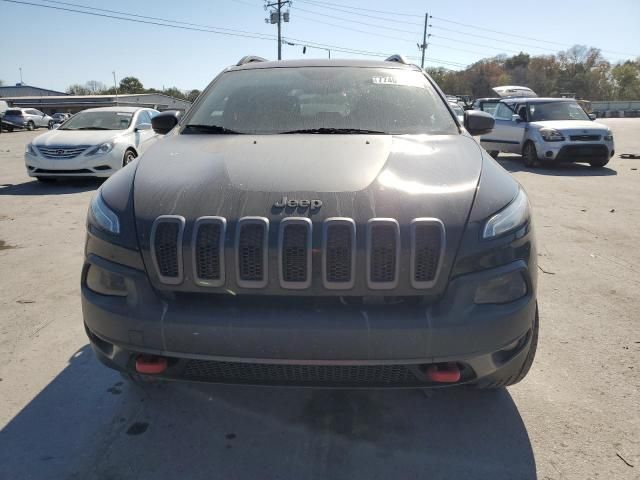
(507, 134)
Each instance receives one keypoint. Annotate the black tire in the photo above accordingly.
(128, 157)
(510, 378)
(51, 125)
(598, 163)
(530, 155)
(494, 153)
(9, 129)
(46, 179)
(31, 126)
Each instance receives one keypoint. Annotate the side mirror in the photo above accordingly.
(592, 116)
(477, 122)
(516, 118)
(143, 126)
(164, 122)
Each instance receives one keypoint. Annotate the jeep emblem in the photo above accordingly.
(285, 202)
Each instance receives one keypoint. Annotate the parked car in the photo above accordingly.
(489, 104)
(93, 143)
(28, 118)
(59, 118)
(458, 111)
(320, 222)
(550, 131)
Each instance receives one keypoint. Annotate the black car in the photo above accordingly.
(321, 223)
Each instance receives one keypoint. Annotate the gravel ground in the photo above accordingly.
(576, 416)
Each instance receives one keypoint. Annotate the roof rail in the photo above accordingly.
(250, 59)
(397, 58)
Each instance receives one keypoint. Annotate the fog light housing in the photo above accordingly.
(503, 289)
(105, 283)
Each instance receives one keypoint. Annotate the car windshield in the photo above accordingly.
(99, 121)
(321, 100)
(539, 112)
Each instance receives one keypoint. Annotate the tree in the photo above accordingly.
(130, 85)
(175, 93)
(193, 94)
(95, 87)
(77, 89)
(626, 77)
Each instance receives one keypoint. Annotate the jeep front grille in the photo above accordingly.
(166, 247)
(251, 252)
(292, 251)
(208, 248)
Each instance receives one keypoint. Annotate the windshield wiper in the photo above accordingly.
(212, 129)
(338, 131)
(88, 128)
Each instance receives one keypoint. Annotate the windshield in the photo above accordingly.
(98, 121)
(322, 100)
(539, 112)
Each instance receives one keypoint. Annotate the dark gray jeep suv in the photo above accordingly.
(322, 223)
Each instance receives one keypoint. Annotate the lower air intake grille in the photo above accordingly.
(299, 374)
(166, 243)
(208, 251)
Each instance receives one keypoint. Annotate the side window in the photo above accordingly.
(521, 110)
(503, 112)
(32, 111)
(143, 117)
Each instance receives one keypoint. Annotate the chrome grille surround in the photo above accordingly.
(62, 152)
(204, 274)
(296, 252)
(383, 253)
(425, 252)
(251, 251)
(157, 252)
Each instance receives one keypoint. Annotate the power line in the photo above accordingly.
(495, 39)
(387, 12)
(376, 34)
(339, 9)
(353, 21)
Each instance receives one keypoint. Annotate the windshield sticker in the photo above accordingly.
(401, 80)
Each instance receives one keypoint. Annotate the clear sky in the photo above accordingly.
(57, 48)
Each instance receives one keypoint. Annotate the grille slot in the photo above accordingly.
(338, 253)
(294, 253)
(251, 252)
(300, 374)
(166, 248)
(62, 152)
(427, 248)
(383, 252)
(208, 251)
(584, 138)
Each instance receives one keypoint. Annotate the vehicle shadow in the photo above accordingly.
(87, 424)
(59, 187)
(514, 164)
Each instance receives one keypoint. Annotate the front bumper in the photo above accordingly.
(310, 341)
(574, 151)
(81, 166)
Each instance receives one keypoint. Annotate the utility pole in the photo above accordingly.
(424, 44)
(277, 17)
(21, 82)
(115, 84)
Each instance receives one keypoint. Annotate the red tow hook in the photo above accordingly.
(150, 364)
(443, 372)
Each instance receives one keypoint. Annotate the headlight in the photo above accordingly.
(551, 135)
(608, 137)
(511, 217)
(30, 149)
(102, 217)
(101, 149)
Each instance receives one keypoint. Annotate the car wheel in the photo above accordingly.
(598, 163)
(530, 155)
(9, 129)
(51, 125)
(31, 125)
(46, 179)
(510, 377)
(494, 153)
(129, 156)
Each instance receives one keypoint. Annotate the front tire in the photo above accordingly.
(31, 126)
(530, 155)
(129, 156)
(46, 179)
(598, 163)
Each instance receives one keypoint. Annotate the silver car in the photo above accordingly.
(28, 118)
(548, 130)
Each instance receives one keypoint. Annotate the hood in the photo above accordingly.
(356, 176)
(578, 126)
(75, 137)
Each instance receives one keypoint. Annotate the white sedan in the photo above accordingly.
(93, 143)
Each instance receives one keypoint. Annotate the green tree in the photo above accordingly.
(626, 77)
(77, 89)
(175, 93)
(130, 85)
(193, 94)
